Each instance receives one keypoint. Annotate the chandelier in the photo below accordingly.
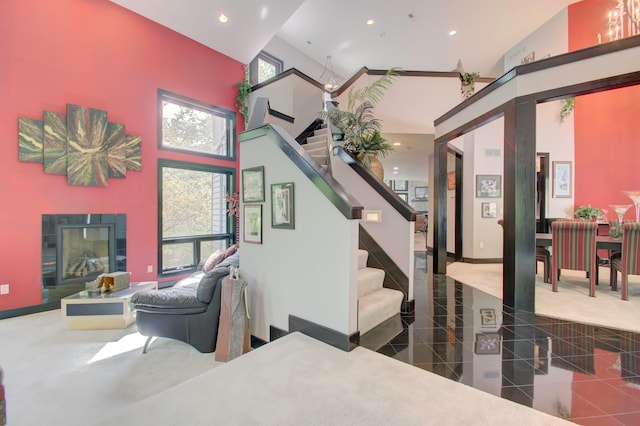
(623, 20)
(328, 78)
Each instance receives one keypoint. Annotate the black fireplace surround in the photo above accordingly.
(78, 247)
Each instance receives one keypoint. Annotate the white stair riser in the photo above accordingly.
(320, 159)
(377, 307)
(317, 139)
(369, 280)
(363, 256)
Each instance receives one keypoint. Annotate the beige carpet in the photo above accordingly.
(571, 302)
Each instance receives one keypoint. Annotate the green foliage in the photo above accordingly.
(242, 98)
(615, 230)
(469, 78)
(358, 122)
(587, 212)
(567, 108)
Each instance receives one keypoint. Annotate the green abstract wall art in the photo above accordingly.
(81, 144)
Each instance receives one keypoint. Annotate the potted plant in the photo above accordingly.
(588, 212)
(359, 124)
(468, 86)
(242, 97)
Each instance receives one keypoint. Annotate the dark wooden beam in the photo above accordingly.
(440, 208)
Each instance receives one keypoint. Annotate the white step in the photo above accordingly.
(369, 280)
(377, 307)
(320, 132)
(363, 256)
(317, 139)
(321, 150)
(320, 159)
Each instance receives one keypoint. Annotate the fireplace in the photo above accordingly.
(76, 248)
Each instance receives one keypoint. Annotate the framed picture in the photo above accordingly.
(488, 186)
(421, 192)
(451, 180)
(562, 179)
(404, 196)
(253, 223)
(282, 206)
(487, 343)
(489, 210)
(253, 185)
(488, 318)
(400, 185)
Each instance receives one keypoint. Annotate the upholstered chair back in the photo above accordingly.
(574, 247)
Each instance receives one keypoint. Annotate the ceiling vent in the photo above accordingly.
(492, 152)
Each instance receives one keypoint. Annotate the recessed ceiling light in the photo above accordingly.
(397, 143)
(395, 173)
(396, 168)
(370, 21)
(452, 32)
(223, 18)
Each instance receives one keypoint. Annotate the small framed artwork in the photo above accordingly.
(489, 210)
(282, 206)
(562, 179)
(253, 185)
(488, 186)
(400, 185)
(421, 192)
(253, 223)
(451, 180)
(488, 318)
(487, 343)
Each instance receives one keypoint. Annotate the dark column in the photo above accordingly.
(458, 207)
(519, 205)
(440, 208)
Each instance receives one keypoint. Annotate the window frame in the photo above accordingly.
(227, 114)
(195, 240)
(267, 57)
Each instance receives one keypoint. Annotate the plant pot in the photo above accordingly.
(372, 164)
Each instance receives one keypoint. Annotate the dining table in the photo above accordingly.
(603, 242)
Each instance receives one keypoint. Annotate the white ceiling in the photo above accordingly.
(409, 34)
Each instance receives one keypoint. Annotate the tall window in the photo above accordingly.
(195, 127)
(264, 67)
(193, 218)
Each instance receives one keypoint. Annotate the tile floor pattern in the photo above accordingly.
(587, 374)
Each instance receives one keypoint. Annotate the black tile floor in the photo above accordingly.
(587, 374)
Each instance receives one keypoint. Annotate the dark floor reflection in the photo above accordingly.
(585, 373)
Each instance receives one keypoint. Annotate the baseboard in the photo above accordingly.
(276, 333)
(324, 334)
(27, 310)
(479, 261)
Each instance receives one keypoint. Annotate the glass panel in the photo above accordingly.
(85, 252)
(193, 129)
(266, 70)
(177, 255)
(193, 203)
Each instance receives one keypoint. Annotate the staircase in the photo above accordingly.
(375, 303)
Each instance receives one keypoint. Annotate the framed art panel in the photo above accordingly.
(561, 179)
(422, 192)
(400, 185)
(253, 223)
(488, 186)
(282, 206)
(487, 343)
(253, 185)
(488, 318)
(489, 210)
(451, 180)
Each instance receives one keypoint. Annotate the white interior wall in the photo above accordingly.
(316, 281)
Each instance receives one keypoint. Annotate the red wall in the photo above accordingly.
(607, 134)
(96, 54)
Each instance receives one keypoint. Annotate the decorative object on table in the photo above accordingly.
(112, 282)
(487, 343)
(253, 184)
(488, 186)
(282, 206)
(488, 318)
(233, 203)
(80, 144)
(468, 84)
(94, 286)
(615, 229)
(252, 223)
(635, 197)
(234, 336)
(489, 210)
(626, 261)
(360, 127)
(620, 210)
(588, 212)
(562, 176)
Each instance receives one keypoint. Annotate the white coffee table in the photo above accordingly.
(92, 311)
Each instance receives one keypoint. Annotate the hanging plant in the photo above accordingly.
(567, 108)
(242, 98)
(468, 86)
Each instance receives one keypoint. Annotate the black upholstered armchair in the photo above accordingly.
(188, 311)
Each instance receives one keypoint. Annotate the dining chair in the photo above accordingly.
(573, 246)
(627, 260)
